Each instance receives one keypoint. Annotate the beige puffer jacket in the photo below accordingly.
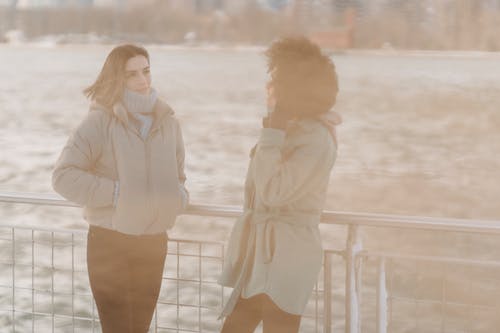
(106, 148)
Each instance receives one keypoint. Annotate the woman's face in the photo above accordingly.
(271, 98)
(138, 75)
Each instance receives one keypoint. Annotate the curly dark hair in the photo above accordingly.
(303, 78)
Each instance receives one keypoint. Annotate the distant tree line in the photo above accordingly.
(406, 24)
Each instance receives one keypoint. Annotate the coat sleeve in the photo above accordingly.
(180, 166)
(73, 177)
(283, 179)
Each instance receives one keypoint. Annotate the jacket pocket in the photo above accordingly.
(169, 203)
(133, 211)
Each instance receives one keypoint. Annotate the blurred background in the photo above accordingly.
(419, 95)
(337, 24)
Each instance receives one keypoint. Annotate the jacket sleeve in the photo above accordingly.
(73, 177)
(282, 179)
(180, 167)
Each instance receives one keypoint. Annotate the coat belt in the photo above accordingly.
(269, 220)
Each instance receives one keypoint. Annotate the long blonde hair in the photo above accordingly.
(108, 87)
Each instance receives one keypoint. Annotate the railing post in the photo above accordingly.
(327, 299)
(381, 298)
(72, 281)
(33, 280)
(13, 280)
(353, 246)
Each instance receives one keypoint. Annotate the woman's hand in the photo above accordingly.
(275, 118)
(271, 99)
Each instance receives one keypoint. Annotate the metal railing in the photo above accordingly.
(44, 286)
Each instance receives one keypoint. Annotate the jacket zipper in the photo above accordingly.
(149, 206)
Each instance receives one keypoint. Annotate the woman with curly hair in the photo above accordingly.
(274, 253)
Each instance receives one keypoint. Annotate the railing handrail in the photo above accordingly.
(328, 217)
(352, 252)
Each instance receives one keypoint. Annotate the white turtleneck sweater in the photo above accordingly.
(140, 108)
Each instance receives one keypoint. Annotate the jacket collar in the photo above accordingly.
(160, 111)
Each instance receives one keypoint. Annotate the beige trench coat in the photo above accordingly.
(275, 246)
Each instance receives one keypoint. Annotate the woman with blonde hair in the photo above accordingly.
(274, 253)
(125, 165)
